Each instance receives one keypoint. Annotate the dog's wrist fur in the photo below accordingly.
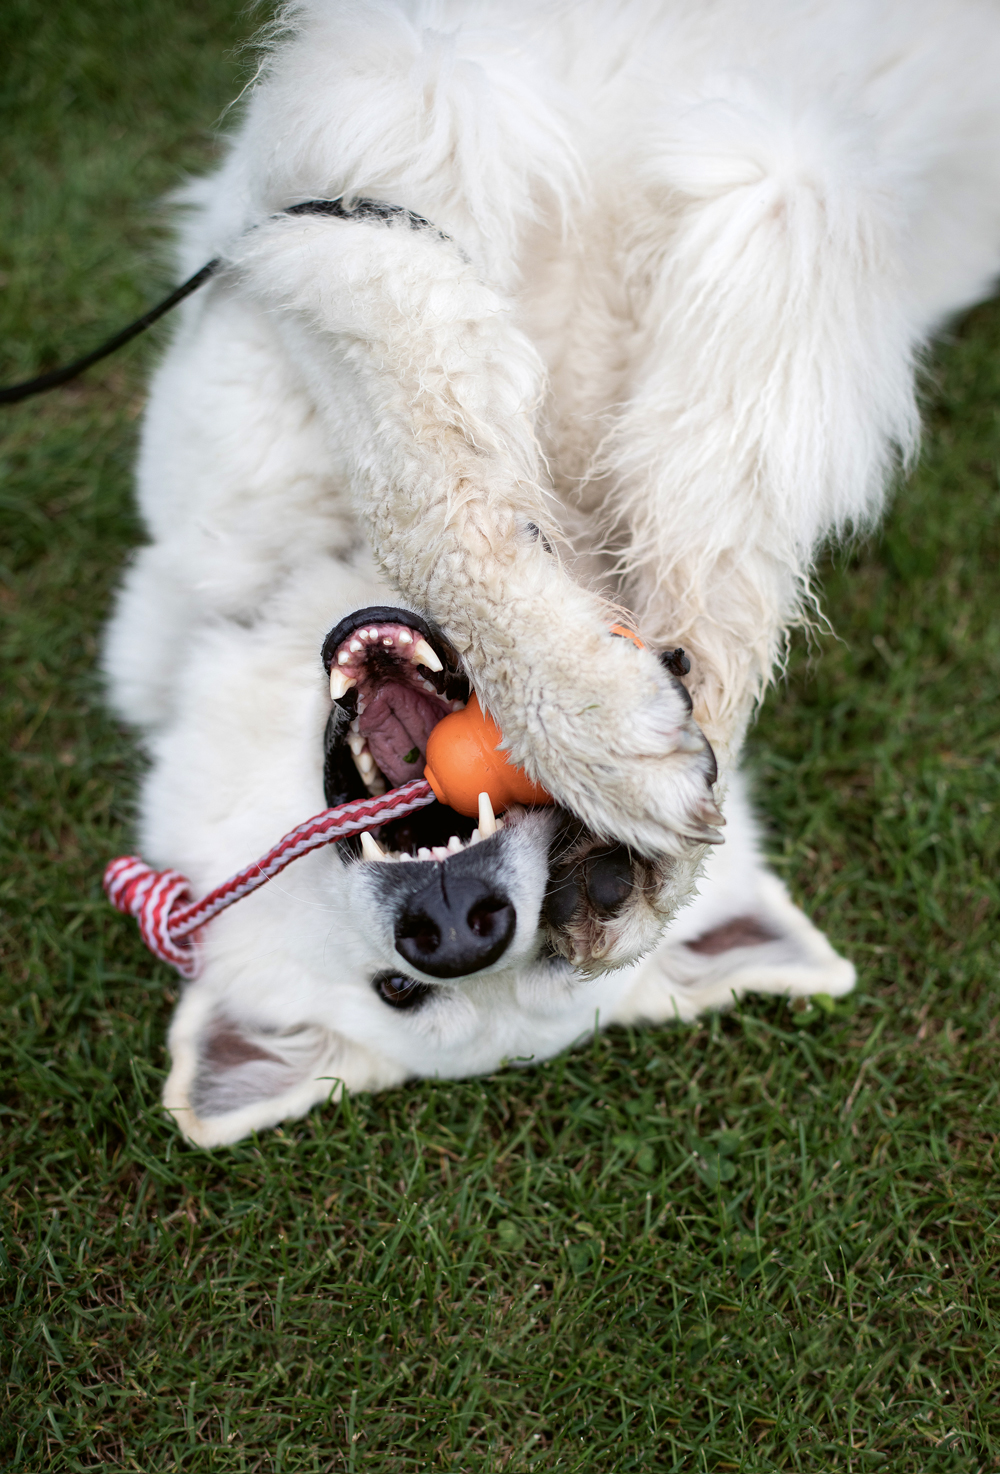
(440, 389)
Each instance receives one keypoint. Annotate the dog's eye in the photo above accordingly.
(609, 880)
(399, 991)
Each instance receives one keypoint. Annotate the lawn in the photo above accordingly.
(768, 1241)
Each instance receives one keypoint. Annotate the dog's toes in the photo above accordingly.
(659, 800)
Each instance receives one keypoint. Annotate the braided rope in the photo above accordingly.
(153, 896)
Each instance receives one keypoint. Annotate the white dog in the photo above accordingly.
(587, 306)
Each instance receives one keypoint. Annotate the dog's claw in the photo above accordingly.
(702, 834)
(688, 740)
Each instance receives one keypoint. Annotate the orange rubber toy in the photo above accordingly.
(463, 762)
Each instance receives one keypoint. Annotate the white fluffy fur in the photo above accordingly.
(695, 249)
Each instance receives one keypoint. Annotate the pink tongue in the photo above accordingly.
(395, 721)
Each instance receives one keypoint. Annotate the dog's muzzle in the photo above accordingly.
(457, 924)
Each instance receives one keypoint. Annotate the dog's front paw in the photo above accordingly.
(606, 727)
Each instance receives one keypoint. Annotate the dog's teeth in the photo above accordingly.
(340, 683)
(440, 852)
(365, 764)
(423, 655)
(475, 837)
(356, 743)
(424, 853)
(370, 848)
(387, 640)
(454, 844)
(487, 821)
(404, 637)
(344, 658)
(373, 634)
(356, 646)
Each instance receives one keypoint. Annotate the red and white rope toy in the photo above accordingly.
(153, 896)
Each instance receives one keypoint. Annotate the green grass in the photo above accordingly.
(765, 1242)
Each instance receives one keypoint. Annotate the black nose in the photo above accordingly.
(455, 926)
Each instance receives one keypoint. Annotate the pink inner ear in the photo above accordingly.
(742, 931)
(226, 1048)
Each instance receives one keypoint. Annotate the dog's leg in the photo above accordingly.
(427, 390)
(773, 392)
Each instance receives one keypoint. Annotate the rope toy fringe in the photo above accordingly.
(153, 896)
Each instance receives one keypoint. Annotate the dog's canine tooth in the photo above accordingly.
(370, 848)
(487, 819)
(422, 654)
(340, 683)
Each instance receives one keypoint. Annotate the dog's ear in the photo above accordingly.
(766, 946)
(741, 934)
(763, 943)
(230, 1077)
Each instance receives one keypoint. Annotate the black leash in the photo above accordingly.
(16, 392)
(361, 209)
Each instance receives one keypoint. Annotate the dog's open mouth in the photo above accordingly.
(392, 678)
